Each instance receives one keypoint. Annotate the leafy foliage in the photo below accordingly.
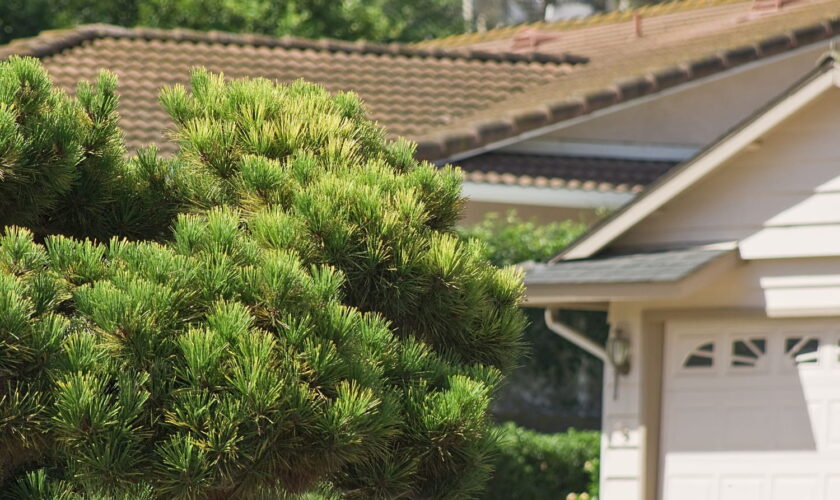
(512, 240)
(295, 315)
(557, 385)
(537, 466)
(377, 20)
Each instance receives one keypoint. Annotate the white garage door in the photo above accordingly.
(751, 410)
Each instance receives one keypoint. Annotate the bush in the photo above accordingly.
(511, 240)
(296, 315)
(535, 466)
(558, 385)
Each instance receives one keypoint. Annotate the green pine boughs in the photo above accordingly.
(292, 315)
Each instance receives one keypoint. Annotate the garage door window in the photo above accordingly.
(803, 350)
(701, 357)
(748, 352)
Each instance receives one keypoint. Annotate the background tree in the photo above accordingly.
(309, 323)
(376, 20)
(557, 385)
(511, 240)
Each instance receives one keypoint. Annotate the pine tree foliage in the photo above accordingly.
(293, 314)
(62, 160)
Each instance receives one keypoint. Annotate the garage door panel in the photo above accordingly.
(691, 487)
(727, 422)
(704, 421)
(742, 487)
(832, 487)
(747, 427)
(758, 416)
(785, 487)
(833, 424)
(798, 425)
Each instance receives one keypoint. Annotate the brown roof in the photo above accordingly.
(680, 42)
(453, 95)
(656, 17)
(592, 174)
(409, 90)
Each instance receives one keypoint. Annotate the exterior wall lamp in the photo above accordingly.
(618, 354)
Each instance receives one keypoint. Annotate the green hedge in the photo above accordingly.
(539, 466)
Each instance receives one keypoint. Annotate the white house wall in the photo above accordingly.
(780, 197)
(702, 111)
(777, 288)
(787, 288)
(622, 450)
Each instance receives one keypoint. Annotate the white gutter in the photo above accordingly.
(621, 150)
(544, 196)
(575, 337)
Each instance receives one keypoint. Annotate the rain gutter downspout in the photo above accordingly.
(575, 337)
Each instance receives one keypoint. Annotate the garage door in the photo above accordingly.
(751, 410)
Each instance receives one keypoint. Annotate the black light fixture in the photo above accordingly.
(618, 352)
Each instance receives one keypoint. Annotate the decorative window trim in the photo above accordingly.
(747, 352)
(701, 357)
(803, 349)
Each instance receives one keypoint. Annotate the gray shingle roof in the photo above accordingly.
(661, 266)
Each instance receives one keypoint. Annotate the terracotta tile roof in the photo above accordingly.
(408, 90)
(453, 99)
(690, 9)
(592, 174)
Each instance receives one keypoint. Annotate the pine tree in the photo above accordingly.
(282, 308)
(62, 160)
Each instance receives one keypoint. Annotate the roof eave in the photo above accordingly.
(521, 124)
(719, 152)
(559, 197)
(555, 295)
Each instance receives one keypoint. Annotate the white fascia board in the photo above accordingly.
(804, 281)
(698, 168)
(794, 296)
(543, 196)
(604, 149)
(554, 127)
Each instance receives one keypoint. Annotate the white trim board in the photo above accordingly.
(605, 149)
(538, 132)
(701, 166)
(543, 196)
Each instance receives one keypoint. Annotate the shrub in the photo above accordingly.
(310, 322)
(511, 240)
(558, 385)
(537, 466)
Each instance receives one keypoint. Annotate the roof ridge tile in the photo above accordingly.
(601, 18)
(53, 41)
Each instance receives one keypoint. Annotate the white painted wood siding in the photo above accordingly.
(780, 198)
